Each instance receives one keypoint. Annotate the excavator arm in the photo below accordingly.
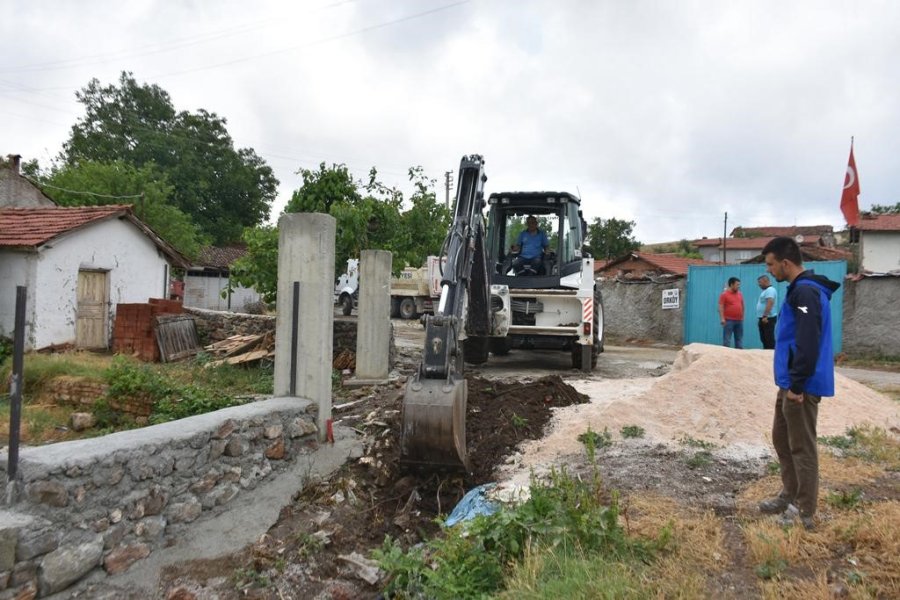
(434, 403)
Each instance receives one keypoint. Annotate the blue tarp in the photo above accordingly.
(474, 503)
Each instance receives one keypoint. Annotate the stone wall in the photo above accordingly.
(99, 505)
(634, 311)
(83, 393)
(215, 325)
(872, 316)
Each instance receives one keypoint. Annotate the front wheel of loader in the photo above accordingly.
(475, 350)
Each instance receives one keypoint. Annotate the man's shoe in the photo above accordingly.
(791, 516)
(773, 506)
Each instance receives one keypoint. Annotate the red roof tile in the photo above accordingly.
(879, 223)
(791, 231)
(735, 243)
(32, 227)
(666, 263)
(220, 257)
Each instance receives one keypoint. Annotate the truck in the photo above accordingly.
(492, 302)
(346, 290)
(416, 290)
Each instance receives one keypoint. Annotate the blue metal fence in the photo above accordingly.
(705, 283)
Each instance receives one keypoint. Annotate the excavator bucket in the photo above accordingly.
(434, 424)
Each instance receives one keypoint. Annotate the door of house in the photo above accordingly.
(92, 316)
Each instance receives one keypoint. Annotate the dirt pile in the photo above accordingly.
(712, 393)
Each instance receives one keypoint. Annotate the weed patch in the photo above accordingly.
(632, 431)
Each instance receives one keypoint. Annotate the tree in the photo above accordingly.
(611, 238)
(221, 188)
(93, 183)
(879, 209)
(374, 221)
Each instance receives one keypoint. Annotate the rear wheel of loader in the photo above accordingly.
(500, 346)
(475, 350)
(579, 360)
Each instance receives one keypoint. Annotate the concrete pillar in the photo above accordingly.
(373, 328)
(304, 323)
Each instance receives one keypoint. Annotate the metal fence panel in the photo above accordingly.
(705, 283)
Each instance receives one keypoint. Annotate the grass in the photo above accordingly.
(176, 390)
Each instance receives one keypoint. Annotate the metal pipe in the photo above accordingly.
(295, 317)
(16, 384)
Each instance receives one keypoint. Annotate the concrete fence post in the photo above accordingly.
(305, 310)
(373, 334)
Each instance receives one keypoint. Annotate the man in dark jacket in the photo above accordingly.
(804, 372)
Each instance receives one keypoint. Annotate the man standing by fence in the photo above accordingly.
(767, 312)
(731, 313)
(804, 372)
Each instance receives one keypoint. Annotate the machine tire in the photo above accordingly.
(598, 335)
(475, 350)
(500, 346)
(395, 307)
(346, 304)
(408, 308)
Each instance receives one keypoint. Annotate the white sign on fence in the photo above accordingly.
(670, 299)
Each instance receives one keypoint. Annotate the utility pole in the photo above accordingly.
(448, 183)
(725, 240)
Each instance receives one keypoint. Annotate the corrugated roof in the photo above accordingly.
(34, 227)
(879, 223)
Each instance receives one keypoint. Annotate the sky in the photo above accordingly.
(666, 113)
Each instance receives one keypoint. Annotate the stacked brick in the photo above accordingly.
(82, 393)
(134, 329)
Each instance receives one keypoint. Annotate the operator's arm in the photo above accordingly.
(545, 241)
(807, 309)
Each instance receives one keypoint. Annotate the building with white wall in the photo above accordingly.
(879, 243)
(77, 264)
(207, 282)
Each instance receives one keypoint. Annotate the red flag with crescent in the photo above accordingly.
(850, 196)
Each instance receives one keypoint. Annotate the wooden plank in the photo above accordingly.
(177, 337)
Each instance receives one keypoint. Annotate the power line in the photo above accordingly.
(81, 193)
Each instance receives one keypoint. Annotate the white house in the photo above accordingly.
(879, 243)
(206, 281)
(77, 264)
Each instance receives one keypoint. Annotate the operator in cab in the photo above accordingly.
(531, 245)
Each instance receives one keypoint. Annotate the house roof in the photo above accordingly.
(813, 253)
(757, 243)
(778, 231)
(879, 223)
(220, 257)
(665, 263)
(34, 227)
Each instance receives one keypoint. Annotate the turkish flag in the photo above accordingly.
(850, 196)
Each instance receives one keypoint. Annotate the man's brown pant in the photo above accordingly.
(794, 437)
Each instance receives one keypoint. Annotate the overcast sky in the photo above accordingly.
(668, 113)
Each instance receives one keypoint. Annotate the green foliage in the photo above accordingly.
(632, 431)
(593, 440)
(692, 442)
(565, 514)
(246, 578)
(118, 178)
(841, 442)
(171, 399)
(6, 349)
(518, 421)
(885, 209)
(611, 238)
(699, 459)
(773, 467)
(222, 189)
(375, 221)
(774, 564)
(258, 268)
(845, 499)
(872, 444)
